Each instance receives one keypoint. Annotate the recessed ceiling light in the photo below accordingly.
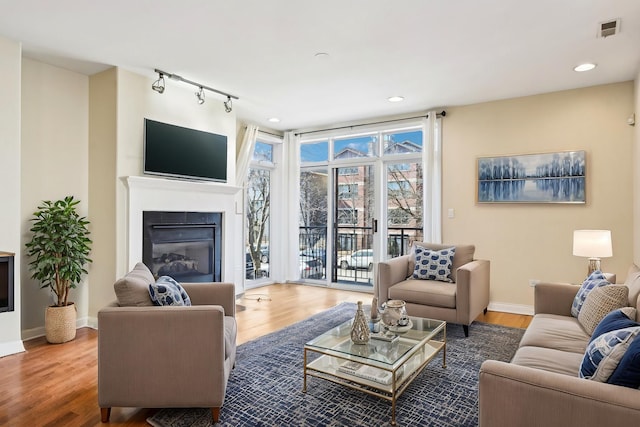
(321, 55)
(395, 98)
(584, 67)
(274, 120)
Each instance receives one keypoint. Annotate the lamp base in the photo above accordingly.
(594, 264)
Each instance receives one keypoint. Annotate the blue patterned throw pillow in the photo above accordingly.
(595, 280)
(627, 373)
(166, 291)
(433, 265)
(605, 353)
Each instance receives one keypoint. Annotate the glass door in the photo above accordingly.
(354, 224)
(404, 206)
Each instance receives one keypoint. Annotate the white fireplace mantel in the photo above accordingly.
(143, 182)
(161, 194)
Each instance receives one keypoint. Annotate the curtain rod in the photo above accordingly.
(269, 133)
(441, 114)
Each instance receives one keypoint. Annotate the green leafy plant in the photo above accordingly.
(60, 247)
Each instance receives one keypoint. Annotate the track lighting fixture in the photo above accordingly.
(200, 96)
(158, 86)
(228, 104)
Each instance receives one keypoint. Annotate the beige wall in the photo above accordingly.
(54, 165)
(534, 241)
(10, 64)
(102, 181)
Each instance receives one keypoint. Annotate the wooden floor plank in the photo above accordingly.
(56, 384)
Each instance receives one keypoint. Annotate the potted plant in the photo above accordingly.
(60, 249)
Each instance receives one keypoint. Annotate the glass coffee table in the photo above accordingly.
(385, 366)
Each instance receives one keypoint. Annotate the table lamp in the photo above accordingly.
(592, 244)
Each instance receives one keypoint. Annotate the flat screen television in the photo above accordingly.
(180, 152)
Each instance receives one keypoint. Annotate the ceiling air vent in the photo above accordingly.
(609, 28)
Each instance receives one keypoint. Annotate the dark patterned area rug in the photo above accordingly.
(265, 388)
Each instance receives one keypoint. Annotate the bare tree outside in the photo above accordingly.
(258, 211)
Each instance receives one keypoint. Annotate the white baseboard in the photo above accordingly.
(29, 334)
(511, 308)
(8, 348)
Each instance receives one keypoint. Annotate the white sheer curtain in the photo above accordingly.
(432, 157)
(245, 153)
(292, 179)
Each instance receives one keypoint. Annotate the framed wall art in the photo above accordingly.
(532, 178)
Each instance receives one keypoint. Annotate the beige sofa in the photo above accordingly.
(541, 384)
(459, 302)
(165, 356)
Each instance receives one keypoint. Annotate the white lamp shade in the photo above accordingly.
(592, 243)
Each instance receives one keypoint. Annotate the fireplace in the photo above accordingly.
(6, 281)
(183, 245)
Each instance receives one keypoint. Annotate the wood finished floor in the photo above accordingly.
(56, 385)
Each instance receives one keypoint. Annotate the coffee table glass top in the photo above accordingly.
(337, 342)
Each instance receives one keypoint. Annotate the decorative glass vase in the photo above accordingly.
(360, 327)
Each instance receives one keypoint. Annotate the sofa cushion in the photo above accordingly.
(617, 319)
(563, 333)
(133, 288)
(605, 352)
(600, 302)
(549, 359)
(425, 292)
(464, 255)
(432, 264)
(627, 373)
(633, 283)
(595, 280)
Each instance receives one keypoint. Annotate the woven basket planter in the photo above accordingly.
(60, 323)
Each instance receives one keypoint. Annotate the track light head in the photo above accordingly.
(158, 85)
(228, 105)
(200, 96)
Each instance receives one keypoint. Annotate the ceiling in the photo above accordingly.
(434, 54)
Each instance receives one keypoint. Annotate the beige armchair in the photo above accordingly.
(459, 302)
(167, 357)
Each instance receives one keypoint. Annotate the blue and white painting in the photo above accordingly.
(533, 178)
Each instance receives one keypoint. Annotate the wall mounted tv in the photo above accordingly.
(180, 152)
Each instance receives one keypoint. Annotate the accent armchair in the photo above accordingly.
(460, 301)
(166, 356)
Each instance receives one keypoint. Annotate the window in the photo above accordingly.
(403, 142)
(313, 152)
(399, 217)
(348, 171)
(347, 191)
(347, 216)
(263, 152)
(349, 148)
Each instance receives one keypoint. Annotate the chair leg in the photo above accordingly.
(465, 328)
(105, 413)
(215, 413)
(485, 310)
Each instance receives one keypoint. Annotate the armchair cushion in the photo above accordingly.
(430, 293)
(433, 264)
(133, 289)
